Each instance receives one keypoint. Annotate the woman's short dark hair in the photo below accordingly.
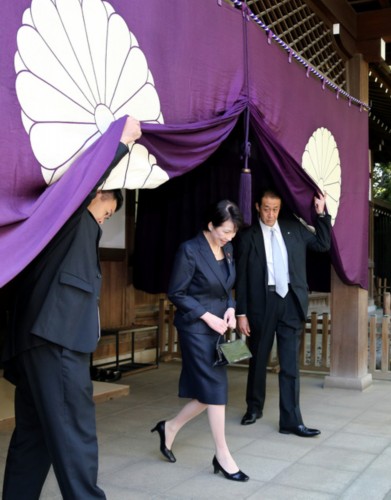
(222, 211)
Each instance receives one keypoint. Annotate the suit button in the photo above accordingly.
(99, 276)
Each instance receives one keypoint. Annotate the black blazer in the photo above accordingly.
(57, 295)
(252, 276)
(198, 285)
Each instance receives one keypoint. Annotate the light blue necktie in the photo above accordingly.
(280, 274)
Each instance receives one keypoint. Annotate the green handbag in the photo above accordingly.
(231, 352)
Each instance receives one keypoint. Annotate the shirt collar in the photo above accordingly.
(266, 228)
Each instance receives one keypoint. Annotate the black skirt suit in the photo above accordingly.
(199, 284)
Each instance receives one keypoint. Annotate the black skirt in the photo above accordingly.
(199, 379)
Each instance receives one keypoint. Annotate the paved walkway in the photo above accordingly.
(351, 459)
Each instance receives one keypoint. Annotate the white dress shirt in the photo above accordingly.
(266, 230)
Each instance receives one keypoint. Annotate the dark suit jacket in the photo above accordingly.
(57, 295)
(252, 276)
(198, 285)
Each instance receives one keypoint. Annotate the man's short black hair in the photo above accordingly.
(117, 195)
(267, 192)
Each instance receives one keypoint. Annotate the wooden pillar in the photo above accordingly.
(349, 304)
(349, 336)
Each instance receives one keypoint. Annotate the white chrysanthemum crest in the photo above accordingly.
(79, 68)
(322, 163)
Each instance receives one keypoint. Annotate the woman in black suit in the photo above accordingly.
(200, 288)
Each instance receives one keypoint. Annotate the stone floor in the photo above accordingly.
(351, 459)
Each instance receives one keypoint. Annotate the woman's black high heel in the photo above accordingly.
(160, 428)
(237, 476)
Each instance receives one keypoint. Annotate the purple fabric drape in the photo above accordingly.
(193, 56)
(43, 216)
(180, 148)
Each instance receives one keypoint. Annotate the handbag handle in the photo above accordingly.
(222, 336)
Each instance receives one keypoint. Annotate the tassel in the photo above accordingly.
(245, 188)
(245, 198)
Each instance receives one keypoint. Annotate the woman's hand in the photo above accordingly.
(217, 324)
(229, 318)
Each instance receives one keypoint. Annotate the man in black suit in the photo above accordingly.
(272, 297)
(54, 328)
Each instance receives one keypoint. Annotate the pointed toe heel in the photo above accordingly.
(236, 476)
(160, 428)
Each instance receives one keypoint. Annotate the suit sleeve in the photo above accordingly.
(241, 260)
(321, 240)
(181, 279)
(122, 150)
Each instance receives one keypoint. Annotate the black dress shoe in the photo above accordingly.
(300, 430)
(236, 476)
(250, 418)
(160, 427)
(111, 376)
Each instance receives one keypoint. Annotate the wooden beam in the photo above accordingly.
(344, 41)
(336, 11)
(357, 78)
(371, 50)
(374, 24)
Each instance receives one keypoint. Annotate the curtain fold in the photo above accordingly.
(182, 147)
(160, 226)
(179, 148)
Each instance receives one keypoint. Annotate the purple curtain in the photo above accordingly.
(38, 218)
(191, 62)
(180, 148)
